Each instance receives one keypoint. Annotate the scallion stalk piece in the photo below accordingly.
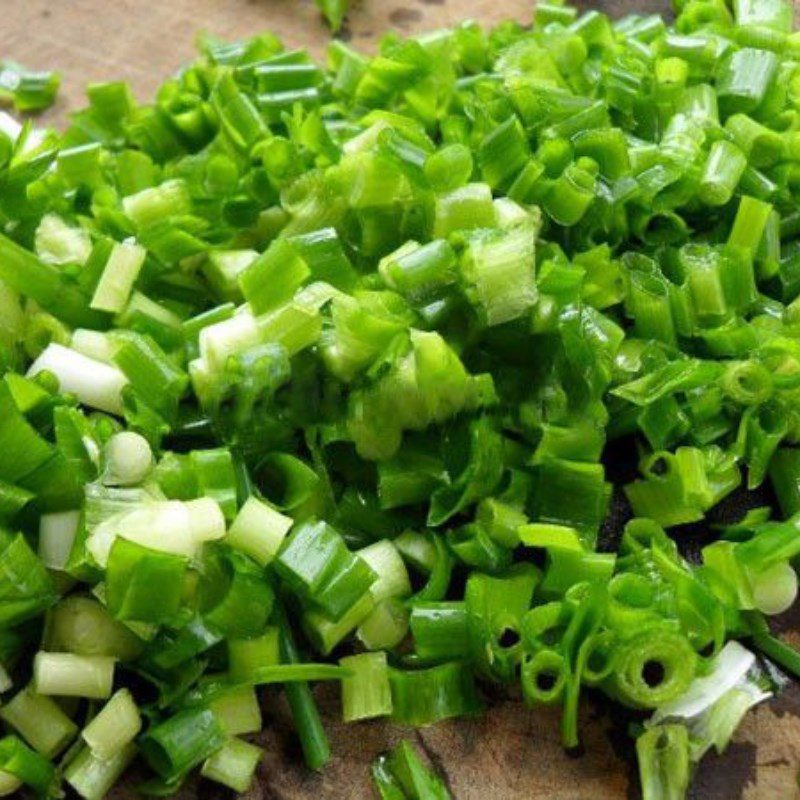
(366, 692)
(115, 726)
(69, 675)
(95, 384)
(258, 531)
(182, 741)
(27, 766)
(39, 721)
(93, 777)
(402, 773)
(233, 765)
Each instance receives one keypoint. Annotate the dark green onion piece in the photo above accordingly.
(313, 740)
(401, 773)
(425, 696)
(181, 742)
(17, 759)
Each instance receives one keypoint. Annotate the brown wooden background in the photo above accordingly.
(512, 753)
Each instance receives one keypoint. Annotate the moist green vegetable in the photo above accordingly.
(329, 373)
(26, 89)
(334, 12)
(401, 775)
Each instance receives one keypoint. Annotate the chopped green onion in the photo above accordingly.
(247, 656)
(233, 765)
(57, 532)
(382, 343)
(366, 692)
(70, 675)
(93, 777)
(401, 773)
(439, 630)
(82, 626)
(663, 755)
(314, 742)
(119, 274)
(237, 710)
(128, 459)
(132, 572)
(26, 89)
(182, 741)
(258, 531)
(19, 761)
(115, 726)
(421, 697)
(40, 722)
(95, 384)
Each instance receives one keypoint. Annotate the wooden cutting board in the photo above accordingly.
(511, 753)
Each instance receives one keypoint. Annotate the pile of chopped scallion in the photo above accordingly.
(311, 373)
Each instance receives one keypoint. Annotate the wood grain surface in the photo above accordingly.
(511, 753)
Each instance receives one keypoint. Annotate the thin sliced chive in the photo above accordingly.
(495, 606)
(44, 283)
(325, 633)
(150, 205)
(774, 589)
(392, 576)
(466, 207)
(26, 589)
(153, 377)
(449, 167)
(385, 626)
(567, 567)
(762, 146)
(780, 652)
(313, 740)
(784, 472)
(767, 13)
(676, 660)
(498, 270)
(216, 481)
(234, 595)
(26, 89)
(9, 784)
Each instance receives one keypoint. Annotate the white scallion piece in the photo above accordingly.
(95, 384)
